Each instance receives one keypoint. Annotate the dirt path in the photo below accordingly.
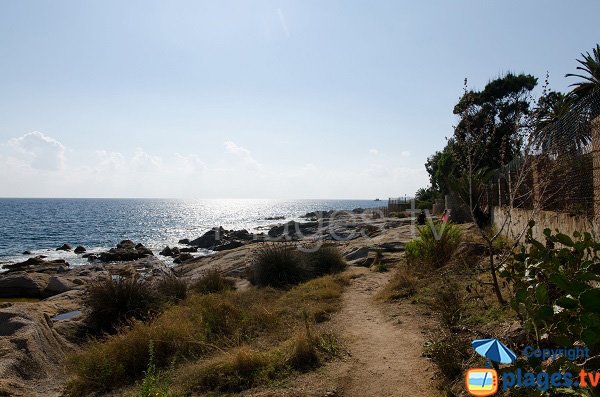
(385, 353)
(384, 345)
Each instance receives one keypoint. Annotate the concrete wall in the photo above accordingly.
(565, 223)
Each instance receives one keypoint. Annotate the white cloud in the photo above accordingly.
(373, 152)
(243, 154)
(40, 151)
(405, 153)
(144, 162)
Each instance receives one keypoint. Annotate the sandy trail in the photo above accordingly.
(383, 349)
(386, 355)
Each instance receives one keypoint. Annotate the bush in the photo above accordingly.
(172, 288)
(115, 300)
(435, 245)
(403, 284)
(449, 353)
(278, 266)
(448, 301)
(326, 260)
(556, 290)
(212, 282)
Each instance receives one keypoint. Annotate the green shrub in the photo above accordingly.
(326, 260)
(151, 385)
(115, 300)
(556, 289)
(211, 282)
(279, 266)
(435, 245)
(172, 288)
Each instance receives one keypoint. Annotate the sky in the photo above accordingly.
(256, 99)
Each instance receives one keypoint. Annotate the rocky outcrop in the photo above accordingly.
(219, 239)
(126, 250)
(38, 264)
(23, 285)
(293, 228)
(183, 257)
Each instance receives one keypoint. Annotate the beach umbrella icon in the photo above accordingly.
(494, 350)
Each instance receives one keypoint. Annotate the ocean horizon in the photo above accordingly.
(40, 225)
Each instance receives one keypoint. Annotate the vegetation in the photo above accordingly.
(172, 289)
(225, 329)
(280, 266)
(211, 282)
(435, 245)
(590, 65)
(403, 284)
(118, 299)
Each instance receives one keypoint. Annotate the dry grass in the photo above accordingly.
(403, 284)
(225, 331)
(212, 282)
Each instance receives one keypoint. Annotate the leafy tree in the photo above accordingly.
(440, 166)
(487, 134)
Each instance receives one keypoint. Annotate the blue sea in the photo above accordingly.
(41, 225)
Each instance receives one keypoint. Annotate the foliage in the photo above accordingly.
(278, 266)
(115, 300)
(440, 166)
(151, 384)
(435, 245)
(403, 284)
(326, 260)
(201, 326)
(211, 282)
(487, 134)
(554, 288)
(172, 288)
(590, 65)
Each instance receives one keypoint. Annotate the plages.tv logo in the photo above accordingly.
(484, 381)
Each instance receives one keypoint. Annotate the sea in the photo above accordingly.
(41, 225)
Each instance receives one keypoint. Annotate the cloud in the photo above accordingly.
(40, 151)
(373, 152)
(405, 153)
(283, 22)
(243, 154)
(144, 162)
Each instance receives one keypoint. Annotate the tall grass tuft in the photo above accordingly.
(172, 289)
(115, 300)
(211, 282)
(278, 266)
(435, 245)
(326, 260)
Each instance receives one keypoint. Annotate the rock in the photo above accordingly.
(23, 285)
(241, 234)
(80, 249)
(65, 247)
(275, 218)
(57, 285)
(208, 239)
(183, 257)
(358, 253)
(230, 245)
(358, 210)
(293, 228)
(166, 251)
(126, 250)
(39, 265)
(185, 241)
(189, 249)
(126, 244)
(26, 253)
(176, 251)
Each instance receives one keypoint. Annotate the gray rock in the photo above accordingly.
(23, 285)
(80, 249)
(65, 247)
(57, 285)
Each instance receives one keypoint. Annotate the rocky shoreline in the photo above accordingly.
(42, 302)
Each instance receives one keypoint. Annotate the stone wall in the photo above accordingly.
(565, 223)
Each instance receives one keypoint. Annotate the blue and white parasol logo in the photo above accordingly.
(494, 350)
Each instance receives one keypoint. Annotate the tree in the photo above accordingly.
(440, 166)
(487, 134)
(590, 64)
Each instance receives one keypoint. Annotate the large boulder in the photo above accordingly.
(65, 247)
(58, 285)
(166, 251)
(23, 285)
(183, 257)
(209, 239)
(230, 245)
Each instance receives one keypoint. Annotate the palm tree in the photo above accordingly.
(590, 64)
